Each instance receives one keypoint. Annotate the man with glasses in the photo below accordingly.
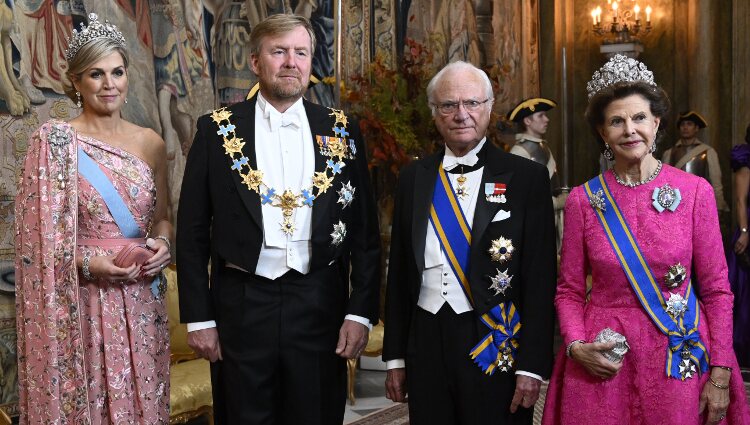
(531, 118)
(471, 279)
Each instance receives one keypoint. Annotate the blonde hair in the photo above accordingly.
(88, 55)
(276, 25)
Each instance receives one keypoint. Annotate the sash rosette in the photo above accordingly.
(685, 347)
(499, 346)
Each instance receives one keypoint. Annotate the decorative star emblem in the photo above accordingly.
(233, 145)
(501, 249)
(346, 194)
(676, 305)
(337, 148)
(505, 360)
(597, 200)
(253, 179)
(339, 116)
(338, 234)
(220, 115)
(687, 366)
(675, 276)
(500, 282)
(322, 181)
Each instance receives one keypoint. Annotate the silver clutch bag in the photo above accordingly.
(621, 344)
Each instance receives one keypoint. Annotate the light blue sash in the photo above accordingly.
(124, 219)
(683, 335)
(454, 233)
(90, 170)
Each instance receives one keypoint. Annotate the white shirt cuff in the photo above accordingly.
(197, 326)
(359, 319)
(532, 375)
(395, 364)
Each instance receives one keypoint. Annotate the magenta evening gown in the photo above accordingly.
(641, 393)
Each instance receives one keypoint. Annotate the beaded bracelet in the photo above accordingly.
(717, 385)
(567, 349)
(166, 241)
(85, 268)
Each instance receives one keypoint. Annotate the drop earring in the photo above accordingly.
(608, 153)
(78, 99)
(126, 100)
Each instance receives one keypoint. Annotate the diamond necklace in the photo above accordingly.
(638, 183)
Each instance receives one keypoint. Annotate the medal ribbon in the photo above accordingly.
(505, 328)
(646, 288)
(454, 233)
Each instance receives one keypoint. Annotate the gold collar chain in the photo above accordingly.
(336, 148)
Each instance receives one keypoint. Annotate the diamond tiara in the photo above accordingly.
(94, 31)
(619, 68)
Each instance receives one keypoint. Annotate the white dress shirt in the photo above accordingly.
(285, 153)
(439, 283)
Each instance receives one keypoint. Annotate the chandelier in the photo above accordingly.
(624, 25)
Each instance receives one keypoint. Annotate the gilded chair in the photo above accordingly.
(374, 348)
(190, 376)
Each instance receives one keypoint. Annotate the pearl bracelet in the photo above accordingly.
(85, 267)
(166, 241)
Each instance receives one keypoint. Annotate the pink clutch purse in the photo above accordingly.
(133, 254)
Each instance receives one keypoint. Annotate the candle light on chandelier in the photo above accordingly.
(625, 23)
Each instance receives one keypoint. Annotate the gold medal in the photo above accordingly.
(501, 250)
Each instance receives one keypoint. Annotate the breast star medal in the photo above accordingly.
(346, 194)
(597, 200)
(676, 305)
(500, 282)
(288, 204)
(338, 234)
(675, 276)
(501, 250)
(666, 198)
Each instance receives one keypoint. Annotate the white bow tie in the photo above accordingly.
(450, 162)
(277, 119)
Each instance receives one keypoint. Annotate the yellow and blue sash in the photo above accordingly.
(683, 336)
(454, 233)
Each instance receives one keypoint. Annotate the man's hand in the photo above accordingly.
(527, 392)
(395, 385)
(352, 339)
(205, 343)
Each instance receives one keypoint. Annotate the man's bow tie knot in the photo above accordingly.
(458, 164)
(278, 119)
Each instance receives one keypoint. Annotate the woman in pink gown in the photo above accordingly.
(93, 342)
(676, 231)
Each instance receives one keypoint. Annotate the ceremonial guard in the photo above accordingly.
(531, 118)
(469, 315)
(276, 195)
(691, 155)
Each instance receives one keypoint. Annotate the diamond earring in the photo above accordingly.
(608, 153)
(126, 100)
(78, 101)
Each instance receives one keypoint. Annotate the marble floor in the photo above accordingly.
(369, 389)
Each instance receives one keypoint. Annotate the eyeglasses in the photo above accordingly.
(450, 108)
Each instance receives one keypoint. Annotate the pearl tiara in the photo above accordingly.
(94, 31)
(619, 68)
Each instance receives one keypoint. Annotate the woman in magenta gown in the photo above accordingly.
(692, 376)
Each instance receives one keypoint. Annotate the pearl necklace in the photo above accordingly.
(638, 183)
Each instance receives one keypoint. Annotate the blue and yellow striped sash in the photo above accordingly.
(452, 229)
(682, 333)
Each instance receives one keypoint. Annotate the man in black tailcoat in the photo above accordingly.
(471, 279)
(276, 195)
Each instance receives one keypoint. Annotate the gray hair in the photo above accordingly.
(452, 67)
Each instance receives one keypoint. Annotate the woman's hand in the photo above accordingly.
(589, 355)
(161, 257)
(716, 399)
(103, 267)
(741, 244)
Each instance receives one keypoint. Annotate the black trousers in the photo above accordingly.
(445, 386)
(278, 340)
